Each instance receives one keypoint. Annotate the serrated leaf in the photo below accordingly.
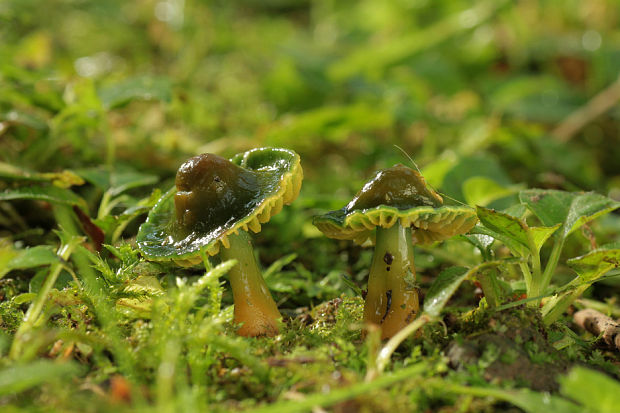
(504, 224)
(570, 209)
(515, 247)
(594, 390)
(442, 289)
(595, 264)
(51, 194)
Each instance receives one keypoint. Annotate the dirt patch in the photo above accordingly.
(507, 346)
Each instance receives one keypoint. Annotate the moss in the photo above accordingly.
(11, 316)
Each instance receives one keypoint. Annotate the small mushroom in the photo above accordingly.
(394, 210)
(214, 203)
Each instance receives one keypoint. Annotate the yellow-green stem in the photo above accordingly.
(389, 301)
(552, 263)
(254, 306)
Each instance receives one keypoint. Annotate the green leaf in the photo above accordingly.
(145, 284)
(480, 241)
(480, 190)
(116, 182)
(24, 298)
(529, 401)
(33, 257)
(63, 179)
(534, 402)
(51, 194)
(278, 265)
(541, 234)
(515, 230)
(516, 210)
(570, 209)
(504, 224)
(595, 264)
(472, 167)
(135, 307)
(515, 247)
(442, 289)
(594, 390)
(23, 118)
(13, 259)
(143, 88)
(7, 253)
(18, 378)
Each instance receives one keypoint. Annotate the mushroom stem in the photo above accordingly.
(389, 302)
(254, 306)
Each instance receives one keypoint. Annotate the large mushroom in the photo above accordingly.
(214, 204)
(394, 210)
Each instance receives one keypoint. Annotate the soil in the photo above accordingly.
(506, 346)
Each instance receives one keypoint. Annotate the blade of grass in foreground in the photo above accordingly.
(18, 378)
(342, 394)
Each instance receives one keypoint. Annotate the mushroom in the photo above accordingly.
(213, 205)
(394, 210)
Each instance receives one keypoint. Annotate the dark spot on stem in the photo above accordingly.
(410, 317)
(387, 268)
(388, 258)
(388, 294)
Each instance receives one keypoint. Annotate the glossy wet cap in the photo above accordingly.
(214, 197)
(211, 192)
(393, 194)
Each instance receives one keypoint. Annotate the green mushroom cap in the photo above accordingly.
(393, 194)
(214, 197)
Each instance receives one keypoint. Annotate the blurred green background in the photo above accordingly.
(465, 88)
(478, 94)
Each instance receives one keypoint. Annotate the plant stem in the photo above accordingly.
(390, 347)
(552, 264)
(389, 302)
(254, 306)
(527, 275)
(535, 287)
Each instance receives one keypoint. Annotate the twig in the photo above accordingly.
(598, 105)
(599, 324)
